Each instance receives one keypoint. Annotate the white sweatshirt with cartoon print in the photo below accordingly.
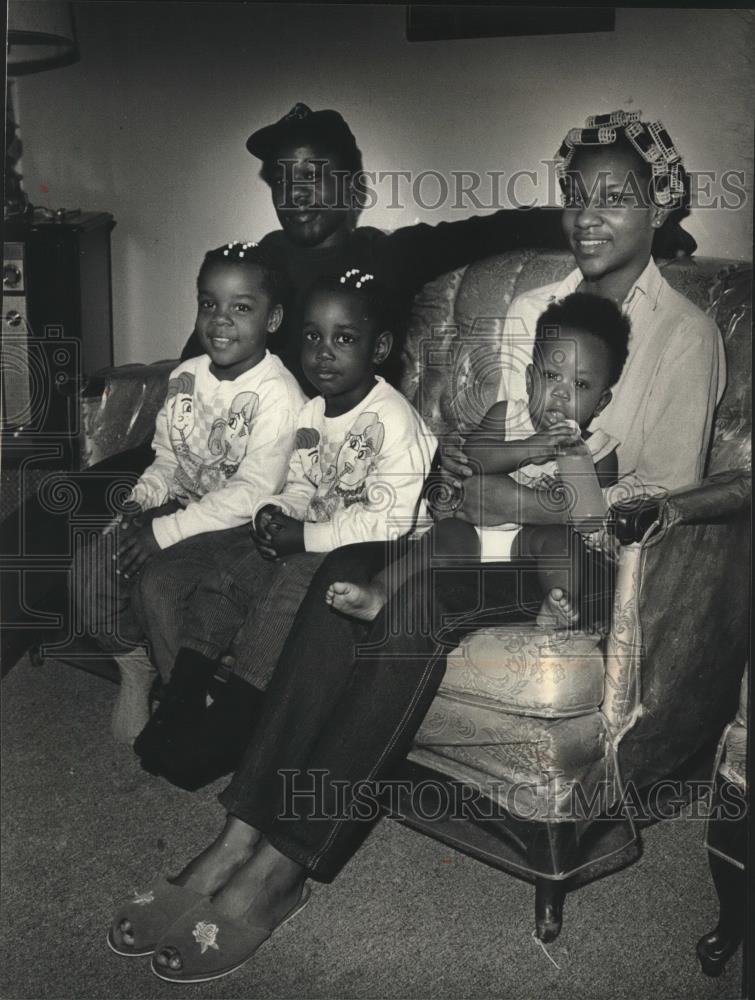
(219, 445)
(358, 477)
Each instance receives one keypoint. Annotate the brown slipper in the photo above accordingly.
(212, 945)
(150, 913)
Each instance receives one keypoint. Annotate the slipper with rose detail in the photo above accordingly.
(151, 912)
(212, 945)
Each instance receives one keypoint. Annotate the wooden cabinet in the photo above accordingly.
(57, 329)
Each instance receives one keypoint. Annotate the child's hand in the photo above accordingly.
(546, 443)
(261, 532)
(262, 522)
(287, 534)
(136, 543)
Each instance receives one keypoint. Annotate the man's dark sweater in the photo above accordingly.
(403, 260)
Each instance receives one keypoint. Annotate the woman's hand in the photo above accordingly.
(454, 463)
(136, 544)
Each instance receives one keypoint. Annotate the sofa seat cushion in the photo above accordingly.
(527, 765)
(527, 670)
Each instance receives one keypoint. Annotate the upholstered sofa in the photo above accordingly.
(554, 729)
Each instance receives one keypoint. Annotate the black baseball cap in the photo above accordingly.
(304, 125)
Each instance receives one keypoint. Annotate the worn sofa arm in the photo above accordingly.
(679, 636)
(715, 500)
(119, 406)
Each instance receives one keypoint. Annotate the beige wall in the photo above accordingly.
(151, 123)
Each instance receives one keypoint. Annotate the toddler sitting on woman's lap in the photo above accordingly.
(580, 348)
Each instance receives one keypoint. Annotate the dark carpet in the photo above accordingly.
(408, 918)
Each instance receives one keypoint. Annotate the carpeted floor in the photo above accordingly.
(408, 918)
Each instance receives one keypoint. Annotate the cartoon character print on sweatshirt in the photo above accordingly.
(181, 421)
(228, 441)
(308, 442)
(345, 480)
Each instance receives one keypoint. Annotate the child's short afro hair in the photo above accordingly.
(595, 315)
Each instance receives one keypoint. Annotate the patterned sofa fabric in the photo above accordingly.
(731, 307)
(526, 764)
(529, 671)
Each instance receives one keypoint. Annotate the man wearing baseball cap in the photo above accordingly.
(312, 164)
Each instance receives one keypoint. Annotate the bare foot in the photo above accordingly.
(363, 601)
(558, 610)
(210, 870)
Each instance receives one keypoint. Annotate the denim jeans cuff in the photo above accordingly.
(271, 830)
(209, 649)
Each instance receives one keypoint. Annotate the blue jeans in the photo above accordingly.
(200, 592)
(347, 698)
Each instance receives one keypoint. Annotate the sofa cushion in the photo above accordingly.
(527, 765)
(527, 670)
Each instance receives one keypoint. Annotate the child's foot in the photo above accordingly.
(363, 601)
(558, 610)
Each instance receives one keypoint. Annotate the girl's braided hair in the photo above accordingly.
(249, 254)
(377, 298)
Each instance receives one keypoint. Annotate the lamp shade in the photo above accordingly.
(41, 36)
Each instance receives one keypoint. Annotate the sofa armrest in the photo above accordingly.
(679, 636)
(714, 501)
(119, 406)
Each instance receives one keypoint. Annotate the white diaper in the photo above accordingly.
(496, 542)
